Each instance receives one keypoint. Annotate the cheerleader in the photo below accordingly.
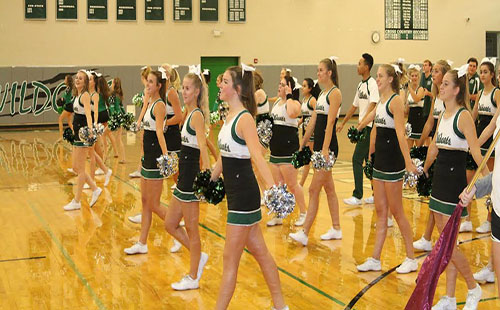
(437, 107)
(284, 142)
(310, 92)
(99, 94)
(67, 98)
(185, 203)
(323, 122)
(145, 100)
(154, 145)
(415, 106)
(455, 134)
(82, 118)
(388, 142)
(115, 109)
(238, 142)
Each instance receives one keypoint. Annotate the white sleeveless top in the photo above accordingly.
(78, 106)
(263, 108)
(306, 108)
(230, 144)
(323, 103)
(168, 106)
(448, 136)
(280, 116)
(383, 116)
(188, 134)
(149, 120)
(495, 193)
(487, 104)
(414, 104)
(438, 108)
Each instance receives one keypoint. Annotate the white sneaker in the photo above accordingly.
(300, 237)
(485, 275)
(473, 298)
(86, 186)
(371, 264)
(99, 172)
(186, 283)
(409, 265)
(137, 248)
(390, 222)
(201, 265)
(70, 170)
(135, 174)
(275, 221)
(136, 219)
(286, 308)
(352, 201)
(73, 205)
(301, 220)
(95, 196)
(332, 234)
(466, 226)
(108, 177)
(369, 200)
(182, 223)
(423, 245)
(446, 303)
(176, 247)
(484, 228)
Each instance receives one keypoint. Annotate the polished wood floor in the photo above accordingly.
(52, 259)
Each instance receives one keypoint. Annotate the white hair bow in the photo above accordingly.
(315, 82)
(174, 66)
(401, 60)
(87, 72)
(163, 73)
(288, 70)
(196, 69)
(333, 58)
(492, 60)
(297, 85)
(144, 68)
(397, 69)
(416, 67)
(450, 62)
(245, 68)
(206, 72)
(462, 70)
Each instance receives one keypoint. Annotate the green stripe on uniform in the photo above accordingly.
(415, 136)
(243, 218)
(153, 174)
(388, 176)
(184, 196)
(280, 159)
(445, 208)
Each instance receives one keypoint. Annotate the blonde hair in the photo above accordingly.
(145, 72)
(175, 80)
(202, 99)
(390, 71)
(85, 84)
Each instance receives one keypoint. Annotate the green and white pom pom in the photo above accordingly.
(214, 117)
(137, 100)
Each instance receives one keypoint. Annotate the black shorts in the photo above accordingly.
(284, 142)
(495, 227)
(319, 135)
(152, 151)
(68, 107)
(417, 122)
(189, 166)
(79, 121)
(173, 138)
(389, 162)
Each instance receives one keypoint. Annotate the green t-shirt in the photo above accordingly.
(426, 82)
(115, 105)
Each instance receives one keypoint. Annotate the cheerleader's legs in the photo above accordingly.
(79, 159)
(189, 237)
(112, 138)
(287, 174)
(118, 137)
(305, 169)
(236, 239)
(150, 196)
(458, 260)
(389, 196)
(322, 179)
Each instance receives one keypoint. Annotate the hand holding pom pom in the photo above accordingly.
(68, 135)
(168, 164)
(302, 157)
(319, 161)
(265, 131)
(279, 201)
(88, 136)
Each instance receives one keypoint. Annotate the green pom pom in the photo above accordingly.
(68, 135)
(302, 157)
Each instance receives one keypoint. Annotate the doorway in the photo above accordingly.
(216, 65)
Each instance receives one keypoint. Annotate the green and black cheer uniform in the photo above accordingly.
(151, 145)
(450, 177)
(115, 105)
(307, 111)
(79, 121)
(189, 162)
(436, 112)
(486, 110)
(242, 190)
(322, 110)
(172, 132)
(285, 139)
(102, 109)
(262, 111)
(68, 101)
(389, 165)
(416, 116)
